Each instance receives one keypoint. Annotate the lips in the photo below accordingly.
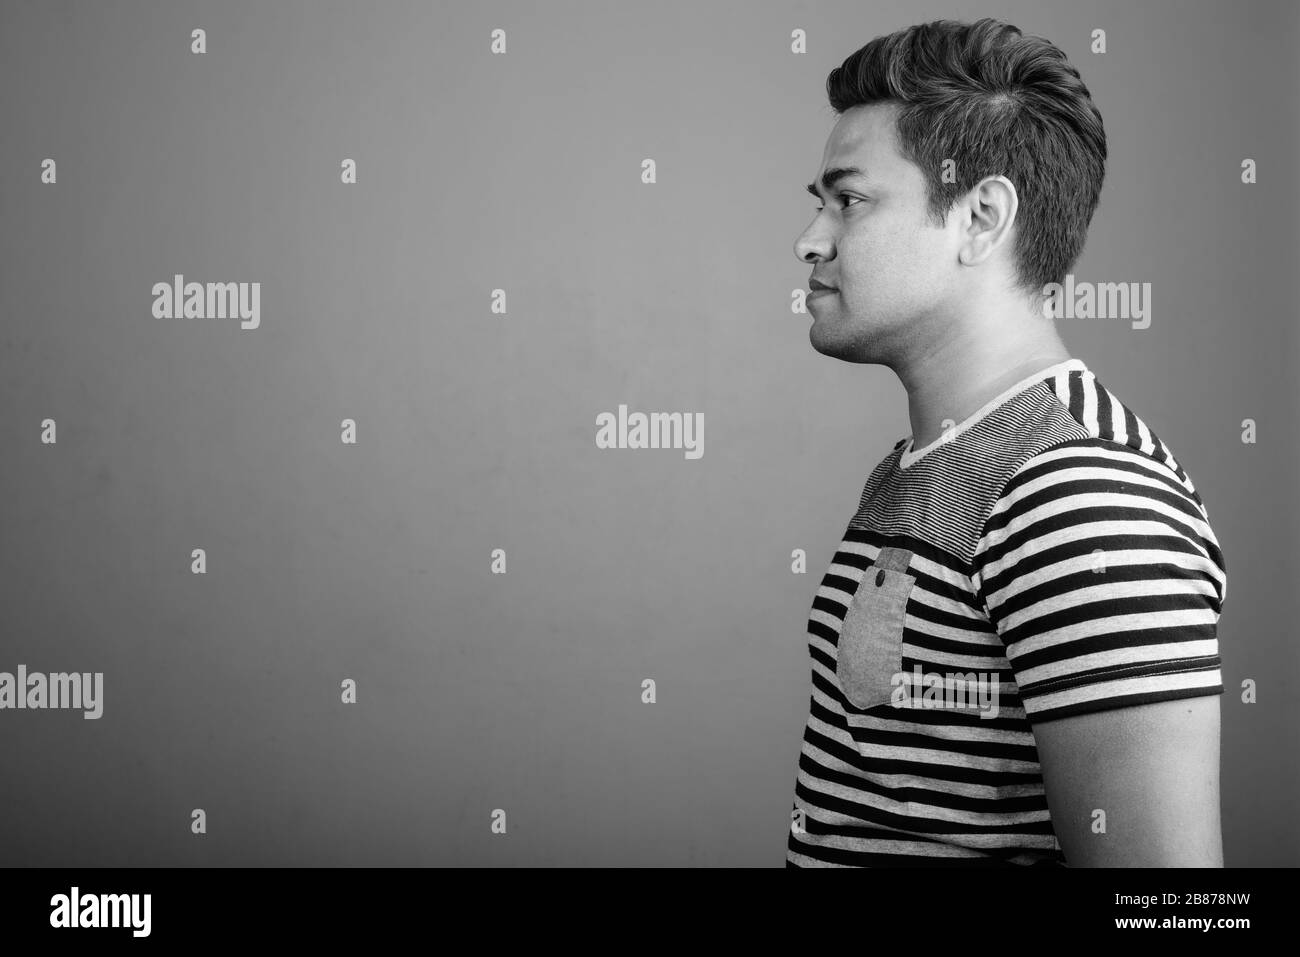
(816, 286)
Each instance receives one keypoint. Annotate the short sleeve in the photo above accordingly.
(1102, 576)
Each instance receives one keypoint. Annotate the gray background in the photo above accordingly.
(476, 431)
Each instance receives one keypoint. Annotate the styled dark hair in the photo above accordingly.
(996, 103)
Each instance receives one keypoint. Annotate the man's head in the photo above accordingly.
(981, 158)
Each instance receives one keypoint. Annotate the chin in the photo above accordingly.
(835, 344)
(850, 340)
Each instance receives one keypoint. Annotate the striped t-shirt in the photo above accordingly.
(1046, 557)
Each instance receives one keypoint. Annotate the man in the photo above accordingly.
(1014, 651)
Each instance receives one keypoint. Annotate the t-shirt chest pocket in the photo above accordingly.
(870, 649)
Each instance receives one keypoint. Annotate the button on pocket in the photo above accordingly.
(870, 649)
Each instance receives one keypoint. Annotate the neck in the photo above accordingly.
(957, 376)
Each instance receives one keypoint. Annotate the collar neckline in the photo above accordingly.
(908, 457)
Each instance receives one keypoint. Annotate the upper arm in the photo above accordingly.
(1136, 786)
(1105, 583)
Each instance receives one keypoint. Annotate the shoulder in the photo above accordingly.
(1091, 470)
(1091, 504)
(1083, 457)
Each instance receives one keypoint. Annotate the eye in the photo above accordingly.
(840, 196)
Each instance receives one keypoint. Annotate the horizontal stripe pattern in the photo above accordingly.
(1104, 580)
(1056, 545)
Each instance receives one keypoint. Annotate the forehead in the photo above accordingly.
(864, 136)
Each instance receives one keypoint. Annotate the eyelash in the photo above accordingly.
(837, 196)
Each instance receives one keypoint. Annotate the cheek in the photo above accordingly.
(895, 254)
(881, 261)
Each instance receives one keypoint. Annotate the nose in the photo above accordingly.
(814, 245)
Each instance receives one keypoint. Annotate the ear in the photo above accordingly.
(988, 212)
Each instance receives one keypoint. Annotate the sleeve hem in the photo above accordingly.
(1123, 701)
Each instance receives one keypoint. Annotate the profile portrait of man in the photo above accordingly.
(1014, 651)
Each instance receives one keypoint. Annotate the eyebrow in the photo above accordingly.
(833, 176)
